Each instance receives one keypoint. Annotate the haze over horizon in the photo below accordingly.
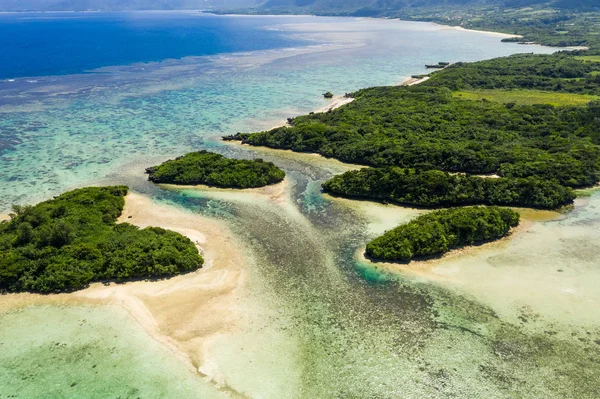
(320, 7)
(117, 5)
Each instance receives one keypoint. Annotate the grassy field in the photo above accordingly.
(527, 97)
(589, 58)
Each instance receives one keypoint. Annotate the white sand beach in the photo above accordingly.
(185, 312)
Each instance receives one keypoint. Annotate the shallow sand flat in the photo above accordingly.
(213, 321)
(531, 271)
(460, 28)
(381, 217)
(86, 351)
(314, 159)
(190, 308)
(183, 312)
(274, 192)
(335, 103)
(413, 81)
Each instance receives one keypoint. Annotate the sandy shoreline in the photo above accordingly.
(275, 192)
(334, 103)
(185, 313)
(487, 32)
(413, 81)
(339, 101)
(423, 267)
(528, 218)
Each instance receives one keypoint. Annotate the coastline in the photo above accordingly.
(274, 192)
(202, 318)
(335, 103)
(423, 268)
(528, 218)
(487, 32)
(445, 27)
(184, 313)
(339, 101)
(413, 81)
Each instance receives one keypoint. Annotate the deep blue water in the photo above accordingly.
(41, 44)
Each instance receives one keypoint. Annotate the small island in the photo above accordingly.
(441, 231)
(436, 188)
(215, 170)
(513, 131)
(68, 242)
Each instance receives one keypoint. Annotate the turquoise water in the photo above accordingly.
(60, 132)
(81, 352)
(332, 326)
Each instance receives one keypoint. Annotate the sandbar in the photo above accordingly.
(185, 313)
(460, 28)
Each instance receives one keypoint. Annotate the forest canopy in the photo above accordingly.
(438, 232)
(427, 144)
(434, 188)
(426, 127)
(212, 169)
(68, 242)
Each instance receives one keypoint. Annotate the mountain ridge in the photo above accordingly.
(328, 7)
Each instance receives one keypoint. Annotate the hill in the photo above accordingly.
(381, 8)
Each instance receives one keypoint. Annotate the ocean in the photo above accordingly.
(98, 91)
(41, 44)
(91, 98)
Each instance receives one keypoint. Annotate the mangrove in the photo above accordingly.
(441, 231)
(66, 243)
(435, 188)
(215, 170)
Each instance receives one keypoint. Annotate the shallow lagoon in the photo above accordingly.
(319, 322)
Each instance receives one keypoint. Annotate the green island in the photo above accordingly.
(212, 169)
(426, 127)
(530, 120)
(438, 232)
(68, 242)
(435, 188)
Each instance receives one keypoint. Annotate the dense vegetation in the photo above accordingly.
(434, 188)
(426, 127)
(559, 23)
(424, 142)
(215, 170)
(533, 120)
(558, 73)
(385, 8)
(441, 231)
(65, 243)
(527, 97)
